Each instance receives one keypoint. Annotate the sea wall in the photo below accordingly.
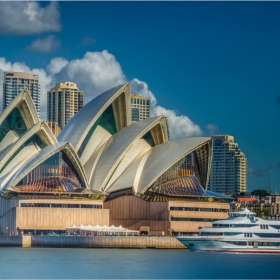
(11, 241)
(92, 242)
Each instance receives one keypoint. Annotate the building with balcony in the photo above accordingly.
(229, 167)
(63, 102)
(16, 82)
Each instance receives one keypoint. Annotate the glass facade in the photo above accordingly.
(35, 139)
(67, 107)
(14, 122)
(180, 179)
(107, 121)
(135, 116)
(59, 111)
(15, 83)
(80, 101)
(56, 174)
(149, 138)
(49, 111)
(54, 105)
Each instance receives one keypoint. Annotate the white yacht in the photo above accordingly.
(242, 232)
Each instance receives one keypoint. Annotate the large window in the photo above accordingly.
(135, 114)
(14, 122)
(107, 121)
(149, 138)
(180, 179)
(56, 174)
(33, 140)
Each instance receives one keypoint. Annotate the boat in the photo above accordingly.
(241, 232)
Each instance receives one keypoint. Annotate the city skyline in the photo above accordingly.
(211, 68)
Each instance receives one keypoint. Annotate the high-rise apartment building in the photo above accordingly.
(64, 101)
(140, 107)
(15, 82)
(229, 167)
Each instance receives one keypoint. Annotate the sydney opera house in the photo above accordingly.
(101, 169)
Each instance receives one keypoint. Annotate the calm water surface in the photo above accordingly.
(43, 263)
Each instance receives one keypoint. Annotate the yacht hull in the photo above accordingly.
(223, 245)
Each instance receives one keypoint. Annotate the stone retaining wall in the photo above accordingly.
(92, 242)
(106, 242)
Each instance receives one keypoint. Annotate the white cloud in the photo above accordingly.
(47, 44)
(94, 73)
(213, 128)
(142, 89)
(179, 126)
(56, 65)
(20, 17)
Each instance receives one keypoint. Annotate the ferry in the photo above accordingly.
(242, 232)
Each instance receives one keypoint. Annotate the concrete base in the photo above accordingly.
(92, 242)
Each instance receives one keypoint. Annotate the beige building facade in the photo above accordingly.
(64, 101)
(36, 215)
(55, 128)
(140, 108)
(165, 217)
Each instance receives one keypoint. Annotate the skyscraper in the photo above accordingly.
(140, 107)
(16, 82)
(229, 166)
(64, 101)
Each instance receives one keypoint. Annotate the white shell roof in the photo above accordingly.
(127, 180)
(165, 155)
(25, 104)
(39, 127)
(142, 173)
(115, 148)
(40, 157)
(83, 120)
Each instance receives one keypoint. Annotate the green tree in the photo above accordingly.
(266, 211)
(259, 213)
(260, 193)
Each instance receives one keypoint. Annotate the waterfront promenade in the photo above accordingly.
(165, 242)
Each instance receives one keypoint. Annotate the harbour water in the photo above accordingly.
(56, 263)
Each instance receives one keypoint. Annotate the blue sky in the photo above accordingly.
(210, 67)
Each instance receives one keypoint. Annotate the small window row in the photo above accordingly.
(192, 219)
(264, 226)
(53, 205)
(197, 209)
